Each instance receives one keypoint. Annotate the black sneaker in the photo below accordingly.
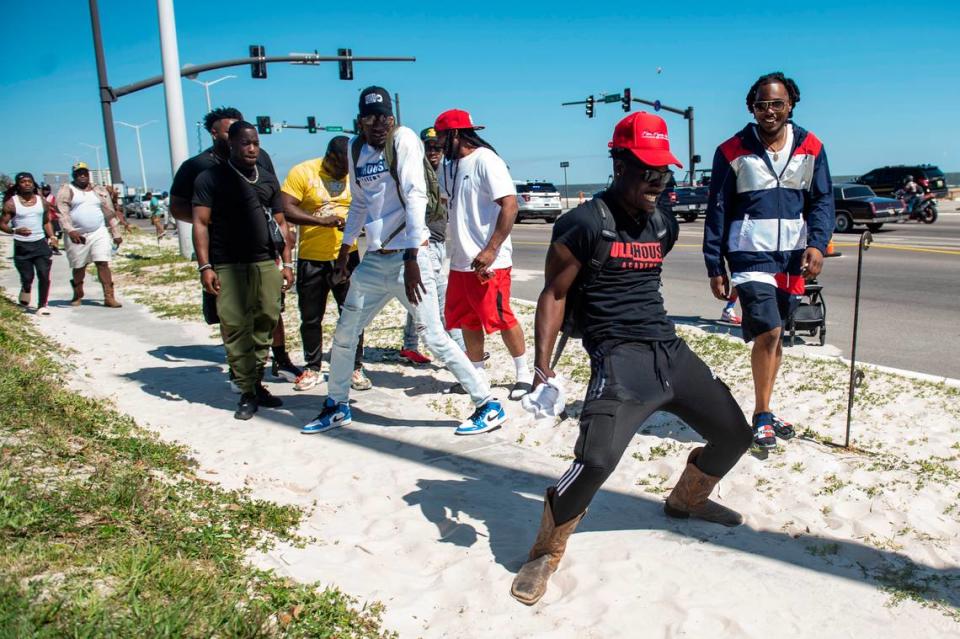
(784, 430)
(247, 406)
(285, 370)
(763, 434)
(265, 398)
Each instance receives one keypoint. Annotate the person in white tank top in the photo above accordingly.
(86, 214)
(26, 216)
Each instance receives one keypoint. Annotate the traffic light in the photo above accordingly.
(258, 70)
(346, 66)
(311, 124)
(590, 103)
(264, 126)
(626, 99)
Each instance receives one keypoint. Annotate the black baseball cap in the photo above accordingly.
(375, 101)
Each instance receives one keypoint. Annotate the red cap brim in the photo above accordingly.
(652, 157)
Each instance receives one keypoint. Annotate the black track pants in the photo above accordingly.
(629, 382)
(34, 257)
(313, 287)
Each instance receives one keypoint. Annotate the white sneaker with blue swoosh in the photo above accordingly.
(333, 415)
(488, 417)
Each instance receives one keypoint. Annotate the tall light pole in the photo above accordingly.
(137, 127)
(173, 98)
(99, 169)
(207, 85)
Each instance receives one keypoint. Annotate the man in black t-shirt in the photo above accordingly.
(217, 123)
(638, 363)
(237, 219)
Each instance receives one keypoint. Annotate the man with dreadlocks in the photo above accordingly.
(394, 187)
(482, 201)
(770, 216)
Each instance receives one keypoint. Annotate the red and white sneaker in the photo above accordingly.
(414, 357)
(730, 316)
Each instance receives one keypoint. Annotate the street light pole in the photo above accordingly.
(99, 168)
(106, 95)
(137, 127)
(207, 85)
(176, 120)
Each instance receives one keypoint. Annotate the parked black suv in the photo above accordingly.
(886, 180)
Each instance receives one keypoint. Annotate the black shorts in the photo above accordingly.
(765, 307)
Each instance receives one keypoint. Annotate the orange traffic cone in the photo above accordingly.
(830, 251)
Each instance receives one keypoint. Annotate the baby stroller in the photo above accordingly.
(810, 315)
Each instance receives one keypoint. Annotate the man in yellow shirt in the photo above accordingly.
(316, 197)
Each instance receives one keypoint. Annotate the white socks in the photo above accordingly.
(523, 370)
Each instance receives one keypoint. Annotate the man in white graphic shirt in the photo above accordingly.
(482, 201)
(394, 192)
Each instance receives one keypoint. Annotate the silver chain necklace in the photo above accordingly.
(256, 173)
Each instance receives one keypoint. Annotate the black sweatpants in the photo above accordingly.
(313, 287)
(630, 381)
(34, 258)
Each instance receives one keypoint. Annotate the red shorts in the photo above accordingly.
(476, 305)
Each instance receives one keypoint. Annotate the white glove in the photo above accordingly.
(547, 400)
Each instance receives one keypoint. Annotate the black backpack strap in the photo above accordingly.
(599, 257)
(601, 247)
(355, 148)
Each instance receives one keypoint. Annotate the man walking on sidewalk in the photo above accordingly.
(316, 196)
(437, 249)
(26, 216)
(482, 201)
(609, 254)
(394, 192)
(238, 235)
(770, 217)
(218, 123)
(85, 212)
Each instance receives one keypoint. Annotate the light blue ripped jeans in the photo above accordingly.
(377, 280)
(438, 255)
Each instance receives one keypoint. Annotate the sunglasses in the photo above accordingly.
(778, 106)
(374, 117)
(654, 177)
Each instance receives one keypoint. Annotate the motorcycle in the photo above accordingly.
(924, 210)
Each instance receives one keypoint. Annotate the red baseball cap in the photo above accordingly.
(645, 135)
(455, 119)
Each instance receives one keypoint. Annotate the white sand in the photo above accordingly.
(435, 526)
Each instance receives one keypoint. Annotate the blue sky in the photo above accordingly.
(875, 91)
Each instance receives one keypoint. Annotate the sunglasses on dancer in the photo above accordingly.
(778, 106)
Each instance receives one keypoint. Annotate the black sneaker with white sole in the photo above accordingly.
(285, 369)
(247, 406)
(266, 398)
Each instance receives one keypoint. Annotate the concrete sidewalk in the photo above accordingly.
(434, 525)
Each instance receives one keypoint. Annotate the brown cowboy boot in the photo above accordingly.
(108, 298)
(77, 292)
(531, 582)
(689, 497)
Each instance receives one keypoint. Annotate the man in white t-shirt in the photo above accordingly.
(389, 178)
(88, 221)
(482, 203)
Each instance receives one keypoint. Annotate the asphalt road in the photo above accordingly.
(909, 301)
(910, 290)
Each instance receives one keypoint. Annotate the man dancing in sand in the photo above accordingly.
(638, 363)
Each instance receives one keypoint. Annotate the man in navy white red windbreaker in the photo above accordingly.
(769, 220)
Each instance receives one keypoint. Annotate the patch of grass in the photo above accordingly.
(106, 531)
(832, 484)
(909, 582)
(824, 550)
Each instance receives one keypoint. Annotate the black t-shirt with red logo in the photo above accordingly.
(624, 301)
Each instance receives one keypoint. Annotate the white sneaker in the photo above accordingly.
(307, 380)
(729, 315)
